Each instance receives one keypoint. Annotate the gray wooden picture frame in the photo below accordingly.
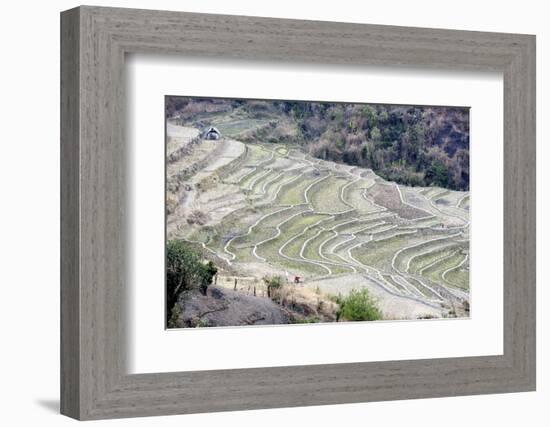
(94, 382)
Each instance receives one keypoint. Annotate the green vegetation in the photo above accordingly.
(412, 145)
(424, 290)
(464, 203)
(428, 247)
(273, 284)
(358, 305)
(421, 260)
(185, 271)
(283, 151)
(325, 195)
(271, 208)
(174, 316)
(380, 253)
(458, 277)
(265, 179)
(435, 271)
(236, 127)
(293, 192)
(311, 250)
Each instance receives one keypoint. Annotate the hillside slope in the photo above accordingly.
(412, 145)
(274, 210)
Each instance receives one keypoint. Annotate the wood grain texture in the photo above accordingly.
(94, 240)
(70, 291)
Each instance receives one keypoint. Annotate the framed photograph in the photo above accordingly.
(282, 213)
(277, 212)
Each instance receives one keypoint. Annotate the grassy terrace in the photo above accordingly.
(232, 125)
(458, 277)
(292, 231)
(433, 221)
(348, 226)
(311, 250)
(334, 246)
(298, 223)
(237, 175)
(273, 189)
(406, 255)
(341, 251)
(453, 211)
(442, 197)
(383, 231)
(243, 253)
(294, 192)
(325, 195)
(355, 195)
(451, 198)
(202, 235)
(379, 254)
(261, 184)
(339, 220)
(234, 224)
(265, 227)
(256, 154)
(418, 197)
(236, 127)
(239, 170)
(247, 184)
(394, 283)
(344, 208)
(464, 203)
(374, 229)
(423, 289)
(311, 243)
(435, 272)
(431, 192)
(282, 150)
(421, 260)
(292, 227)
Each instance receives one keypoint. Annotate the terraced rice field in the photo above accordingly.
(271, 209)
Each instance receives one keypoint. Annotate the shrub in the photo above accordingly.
(272, 283)
(185, 271)
(197, 217)
(358, 305)
(210, 270)
(173, 321)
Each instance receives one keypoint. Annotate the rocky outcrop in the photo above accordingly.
(225, 307)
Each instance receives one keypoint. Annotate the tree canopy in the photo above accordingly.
(185, 271)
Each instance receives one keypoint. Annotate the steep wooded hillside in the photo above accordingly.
(412, 145)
